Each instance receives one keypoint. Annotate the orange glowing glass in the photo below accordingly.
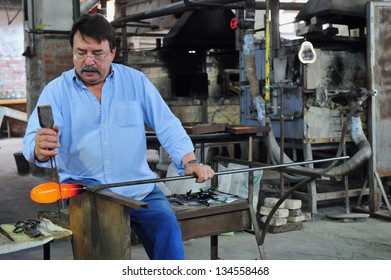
(50, 192)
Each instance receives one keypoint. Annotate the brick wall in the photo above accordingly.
(12, 62)
(52, 56)
(57, 56)
(25, 77)
(12, 68)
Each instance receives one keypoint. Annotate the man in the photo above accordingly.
(100, 110)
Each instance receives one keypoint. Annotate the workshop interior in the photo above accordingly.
(288, 101)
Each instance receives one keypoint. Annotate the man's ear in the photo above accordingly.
(112, 53)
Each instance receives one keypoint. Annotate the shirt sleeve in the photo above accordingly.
(168, 128)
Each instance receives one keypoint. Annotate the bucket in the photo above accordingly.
(22, 164)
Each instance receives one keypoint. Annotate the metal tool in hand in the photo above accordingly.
(45, 116)
(29, 227)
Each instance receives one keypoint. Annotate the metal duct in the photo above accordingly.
(181, 7)
(202, 29)
(87, 5)
(351, 13)
(174, 8)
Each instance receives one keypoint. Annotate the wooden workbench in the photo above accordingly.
(50, 233)
(200, 220)
(14, 109)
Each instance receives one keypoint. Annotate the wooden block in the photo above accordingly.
(203, 128)
(295, 212)
(275, 221)
(296, 219)
(271, 201)
(243, 129)
(280, 212)
(293, 203)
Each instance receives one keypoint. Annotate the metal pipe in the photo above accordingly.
(76, 9)
(249, 61)
(364, 151)
(282, 140)
(88, 5)
(249, 48)
(174, 8)
(181, 7)
(94, 188)
(267, 53)
(364, 148)
(275, 29)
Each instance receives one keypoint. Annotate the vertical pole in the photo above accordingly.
(267, 52)
(76, 9)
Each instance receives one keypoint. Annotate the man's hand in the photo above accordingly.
(202, 172)
(46, 143)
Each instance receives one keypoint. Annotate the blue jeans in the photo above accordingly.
(157, 228)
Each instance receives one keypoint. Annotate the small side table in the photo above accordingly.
(50, 233)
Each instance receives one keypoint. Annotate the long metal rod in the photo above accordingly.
(94, 188)
(180, 7)
(56, 179)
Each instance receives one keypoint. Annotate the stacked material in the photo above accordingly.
(295, 213)
(288, 212)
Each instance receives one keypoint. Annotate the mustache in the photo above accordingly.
(90, 69)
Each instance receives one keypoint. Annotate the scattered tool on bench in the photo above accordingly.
(28, 227)
(49, 192)
(6, 234)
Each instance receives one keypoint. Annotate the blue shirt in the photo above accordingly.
(106, 140)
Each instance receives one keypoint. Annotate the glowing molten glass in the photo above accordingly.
(50, 192)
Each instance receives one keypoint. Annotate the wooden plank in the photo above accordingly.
(246, 129)
(101, 228)
(215, 224)
(204, 211)
(329, 195)
(12, 113)
(203, 128)
(12, 101)
(122, 200)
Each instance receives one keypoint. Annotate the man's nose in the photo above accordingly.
(90, 60)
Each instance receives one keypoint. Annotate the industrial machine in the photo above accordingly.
(317, 99)
(311, 101)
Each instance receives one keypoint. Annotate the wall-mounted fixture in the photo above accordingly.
(307, 53)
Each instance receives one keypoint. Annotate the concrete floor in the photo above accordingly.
(320, 238)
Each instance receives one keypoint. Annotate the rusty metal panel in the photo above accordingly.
(336, 70)
(379, 54)
(322, 125)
